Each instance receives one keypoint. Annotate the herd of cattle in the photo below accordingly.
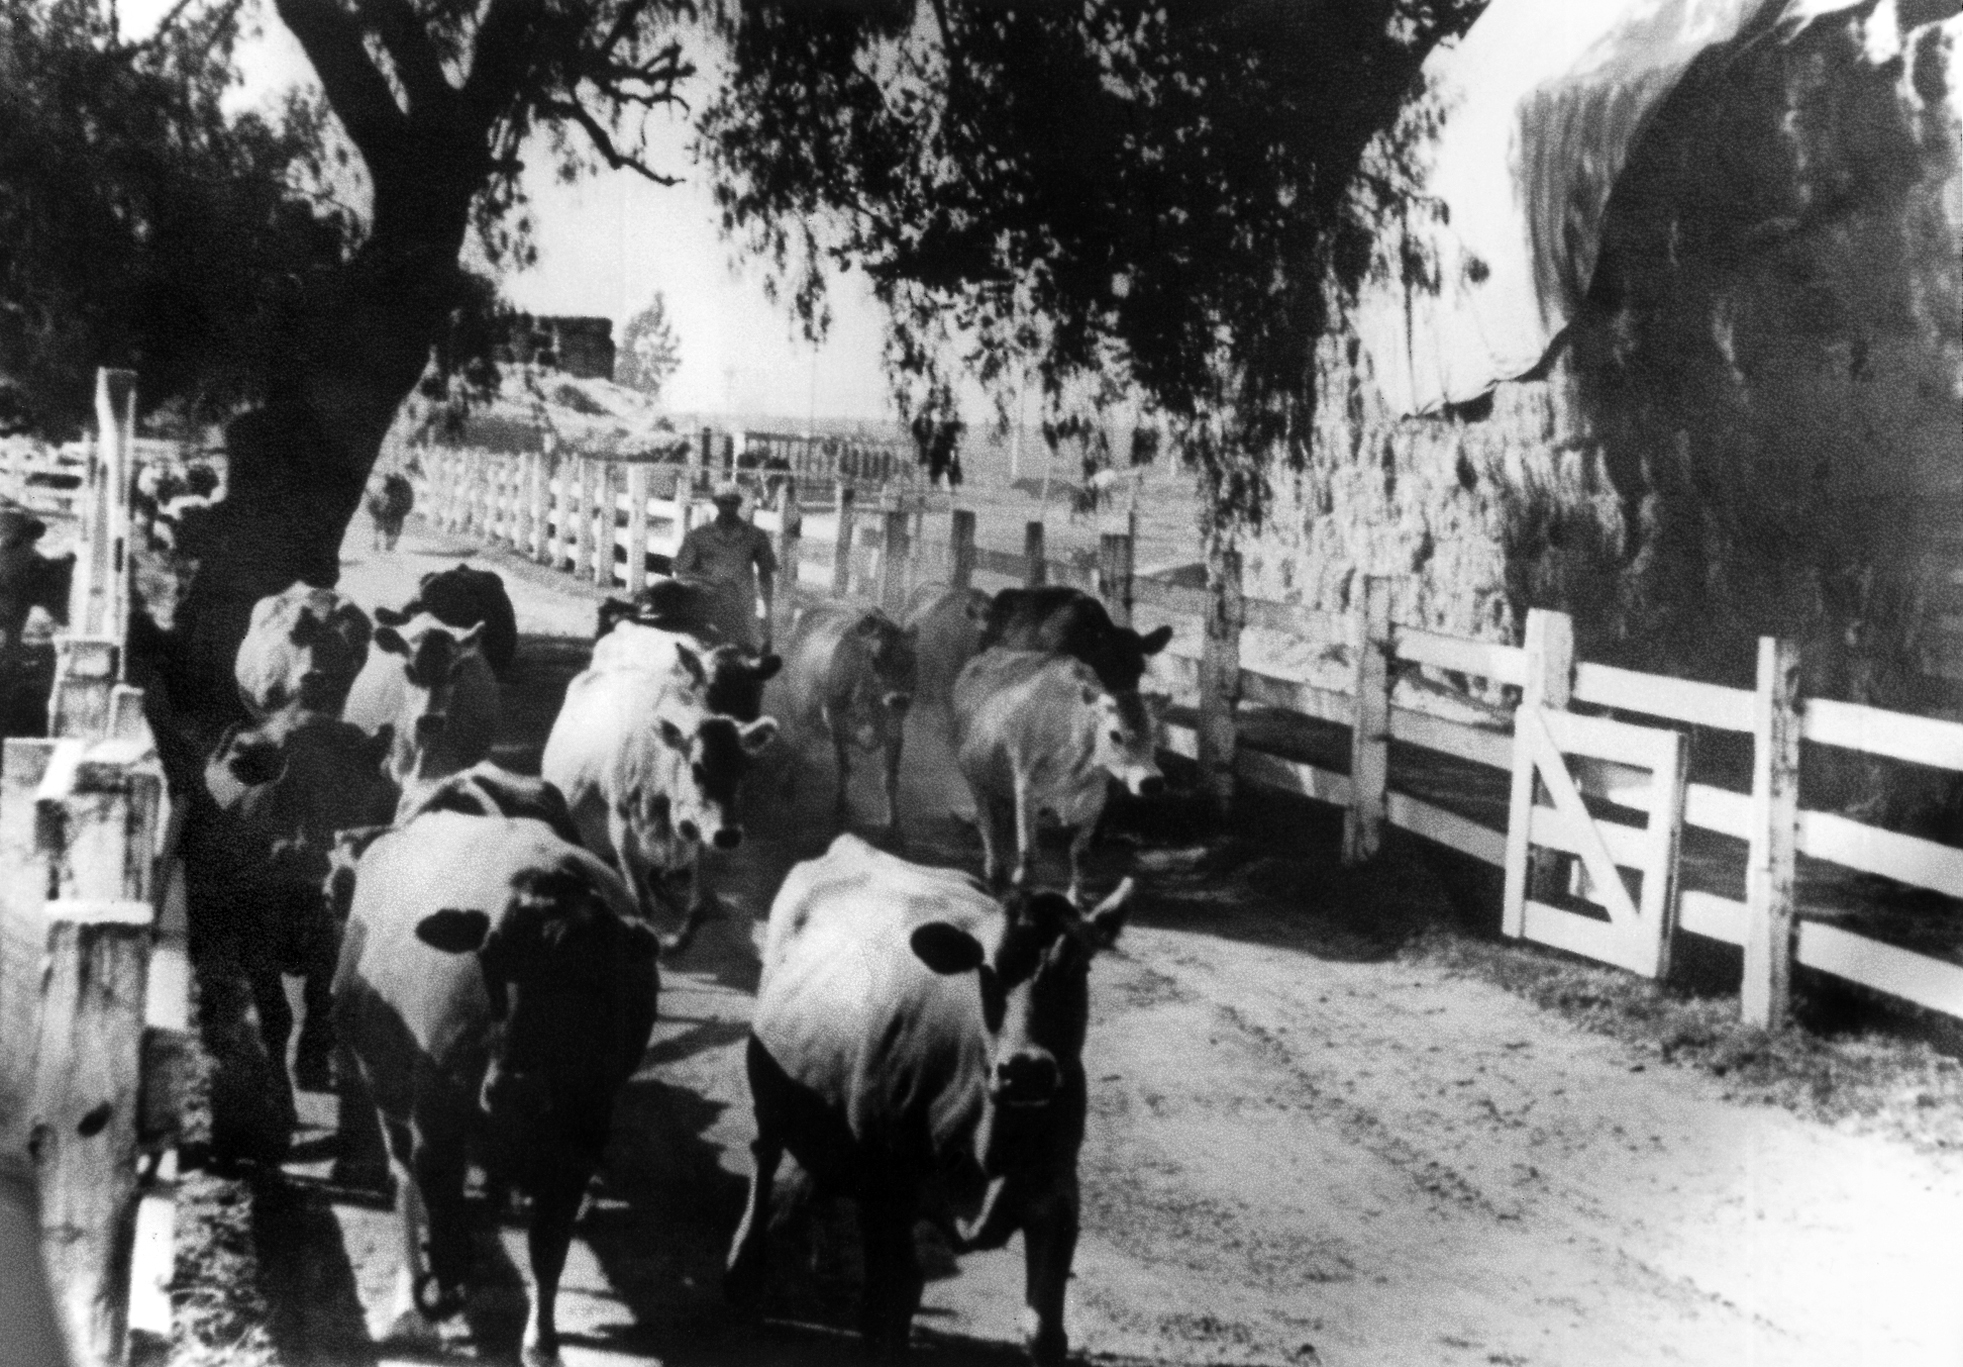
(479, 947)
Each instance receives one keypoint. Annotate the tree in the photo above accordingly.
(437, 102)
(649, 350)
(139, 225)
(1173, 197)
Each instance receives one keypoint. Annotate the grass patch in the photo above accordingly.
(1871, 1075)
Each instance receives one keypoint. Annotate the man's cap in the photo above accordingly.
(726, 492)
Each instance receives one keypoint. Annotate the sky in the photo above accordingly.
(610, 242)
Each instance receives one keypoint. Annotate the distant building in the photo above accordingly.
(575, 346)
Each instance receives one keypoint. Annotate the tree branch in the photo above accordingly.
(407, 41)
(356, 91)
(165, 25)
(603, 142)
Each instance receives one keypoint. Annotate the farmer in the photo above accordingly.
(735, 560)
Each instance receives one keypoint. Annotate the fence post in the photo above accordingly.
(606, 524)
(86, 1097)
(23, 930)
(1370, 646)
(95, 597)
(895, 555)
(1220, 674)
(1549, 648)
(541, 528)
(503, 511)
(790, 551)
(637, 527)
(580, 533)
(1114, 570)
(1036, 570)
(1770, 924)
(85, 685)
(842, 546)
(961, 549)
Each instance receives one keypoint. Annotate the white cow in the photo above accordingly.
(650, 774)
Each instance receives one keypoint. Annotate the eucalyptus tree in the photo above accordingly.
(1172, 198)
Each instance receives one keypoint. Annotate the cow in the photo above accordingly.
(651, 776)
(431, 685)
(912, 1035)
(28, 579)
(462, 598)
(303, 646)
(668, 603)
(1070, 622)
(948, 622)
(389, 499)
(258, 841)
(1037, 733)
(494, 986)
(849, 674)
(727, 678)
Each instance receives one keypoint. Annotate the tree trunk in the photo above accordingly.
(356, 342)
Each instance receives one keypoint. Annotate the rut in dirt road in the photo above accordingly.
(1301, 1146)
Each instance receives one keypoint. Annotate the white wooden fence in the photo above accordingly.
(1576, 744)
(93, 978)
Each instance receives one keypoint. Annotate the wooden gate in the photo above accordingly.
(1635, 767)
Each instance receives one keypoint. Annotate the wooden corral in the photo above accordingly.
(92, 970)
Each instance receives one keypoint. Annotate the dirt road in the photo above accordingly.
(1301, 1149)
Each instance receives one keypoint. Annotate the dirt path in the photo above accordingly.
(1296, 1140)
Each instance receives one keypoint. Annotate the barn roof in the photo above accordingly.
(1541, 104)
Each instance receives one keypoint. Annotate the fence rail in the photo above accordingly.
(93, 977)
(1403, 689)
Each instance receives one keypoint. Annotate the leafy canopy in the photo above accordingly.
(140, 225)
(650, 351)
(1158, 196)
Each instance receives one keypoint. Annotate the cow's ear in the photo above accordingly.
(1152, 642)
(639, 943)
(389, 639)
(946, 949)
(766, 667)
(611, 613)
(757, 734)
(691, 664)
(453, 931)
(350, 619)
(1101, 927)
(255, 762)
(1090, 695)
(671, 734)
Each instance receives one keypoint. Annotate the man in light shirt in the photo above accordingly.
(735, 560)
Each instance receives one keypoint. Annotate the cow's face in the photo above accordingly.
(727, 679)
(708, 756)
(292, 783)
(1034, 987)
(571, 987)
(1123, 654)
(435, 659)
(319, 642)
(893, 652)
(1124, 744)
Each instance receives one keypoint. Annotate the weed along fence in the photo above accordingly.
(1578, 785)
(92, 970)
